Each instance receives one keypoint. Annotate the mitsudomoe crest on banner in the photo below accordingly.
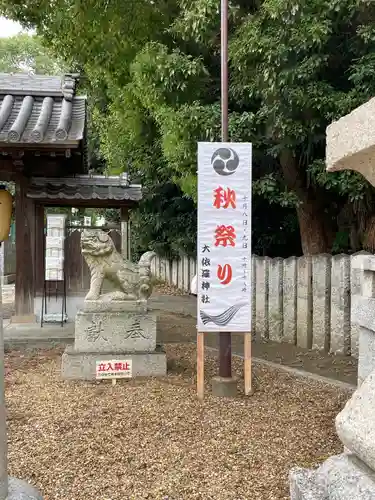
(224, 237)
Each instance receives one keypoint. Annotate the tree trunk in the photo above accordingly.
(315, 236)
(316, 232)
(369, 235)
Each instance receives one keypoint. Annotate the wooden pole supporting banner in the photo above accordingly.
(247, 363)
(200, 365)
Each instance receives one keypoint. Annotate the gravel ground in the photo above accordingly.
(151, 439)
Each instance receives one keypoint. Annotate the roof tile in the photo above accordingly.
(40, 109)
(84, 187)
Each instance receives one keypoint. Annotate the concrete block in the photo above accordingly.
(155, 267)
(168, 271)
(174, 273)
(115, 306)
(340, 305)
(365, 261)
(115, 331)
(253, 299)
(223, 387)
(20, 490)
(275, 300)
(82, 366)
(341, 477)
(163, 269)
(351, 142)
(302, 486)
(290, 300)
(366, 354)
(193, 270)
(355, 290)
(363, 316)
(180, 274)
(186, 272)
(321, 291)
(261, 300)
(304, 302)
(355, 424)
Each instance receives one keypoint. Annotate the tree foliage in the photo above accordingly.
(153, 73)
(26, 53)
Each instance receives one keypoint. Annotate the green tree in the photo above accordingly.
(26, 53)
(306, 63)
(154, 69)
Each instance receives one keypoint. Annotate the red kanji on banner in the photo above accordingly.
(224, 236)
(224, 273)
(101, 367)
(223, 198)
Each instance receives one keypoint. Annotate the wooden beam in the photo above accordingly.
(247, 364)
(25, 248)
(86, 203)
(200, 365)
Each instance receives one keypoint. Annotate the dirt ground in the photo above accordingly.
(151, 439)
(177, 328)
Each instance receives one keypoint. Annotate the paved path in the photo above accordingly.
(178, 304)
(34, 335)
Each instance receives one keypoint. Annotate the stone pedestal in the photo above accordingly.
(112, 330)
(20, 490)
(341, 477)
(224, 387)
(351, 476)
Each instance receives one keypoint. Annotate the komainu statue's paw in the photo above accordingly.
(92, 296)
(116, 295)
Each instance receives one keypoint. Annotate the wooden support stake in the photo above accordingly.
(247, 364)
(114, 380)
(200, 365)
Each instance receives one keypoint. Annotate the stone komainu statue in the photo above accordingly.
(131, 281)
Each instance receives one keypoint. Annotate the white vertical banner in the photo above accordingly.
(224, 237)
(54, 249)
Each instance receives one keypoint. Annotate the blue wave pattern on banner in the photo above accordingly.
(224, 318)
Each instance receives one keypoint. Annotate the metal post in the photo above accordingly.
(225, 342)
(224, 70)
(3, 433)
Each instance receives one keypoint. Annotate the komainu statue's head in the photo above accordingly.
(96, 242)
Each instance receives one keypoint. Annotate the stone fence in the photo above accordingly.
(304, 301)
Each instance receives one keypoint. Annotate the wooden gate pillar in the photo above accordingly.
(25, 251)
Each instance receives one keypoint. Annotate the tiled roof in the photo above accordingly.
(38, 109)
(84, 187)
